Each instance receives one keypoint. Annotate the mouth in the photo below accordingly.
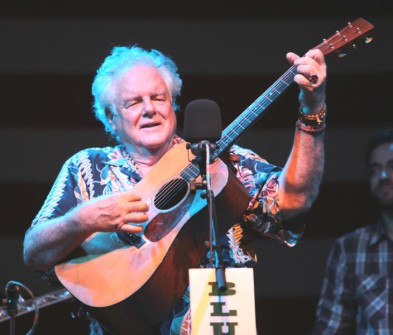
(385, 187)
(150, 125)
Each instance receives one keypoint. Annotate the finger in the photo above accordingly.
(301, 80)
(132, 196)
(136, 217)
(305, 69)
(309, 73)
(292, 57)
(306, 61)
(137, 206)
(317, 55)
(131, 228)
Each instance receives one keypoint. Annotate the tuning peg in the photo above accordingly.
(354, 46)
(368, 40)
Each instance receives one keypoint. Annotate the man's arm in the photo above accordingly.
(336, 308)
(47, 242)
(299, 183)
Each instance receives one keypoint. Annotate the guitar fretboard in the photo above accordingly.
(245, 120)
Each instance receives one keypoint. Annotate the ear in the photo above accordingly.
(110, 116)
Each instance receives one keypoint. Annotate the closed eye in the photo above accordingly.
(131, 103)
(159, 97)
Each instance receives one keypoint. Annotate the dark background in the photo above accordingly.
(228, 51)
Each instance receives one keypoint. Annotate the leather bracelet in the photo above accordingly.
(313, 119)
(310, 129)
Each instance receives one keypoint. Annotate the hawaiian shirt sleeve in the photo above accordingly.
(260, 178)
(68, 190)
(336, 307)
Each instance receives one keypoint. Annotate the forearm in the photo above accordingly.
(301, 178)
(50, 241)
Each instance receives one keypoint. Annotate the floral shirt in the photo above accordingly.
(98, 171)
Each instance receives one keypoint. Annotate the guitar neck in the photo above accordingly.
(334, 44)
(245, 120)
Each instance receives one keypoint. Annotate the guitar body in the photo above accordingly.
(130, 288)
(146, 308)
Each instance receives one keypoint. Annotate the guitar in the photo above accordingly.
(131, 286)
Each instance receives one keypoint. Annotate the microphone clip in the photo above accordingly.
(199, 151)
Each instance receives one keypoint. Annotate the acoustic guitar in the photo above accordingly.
(131, 284)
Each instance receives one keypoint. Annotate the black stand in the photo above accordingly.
(12, 296)
(202, 151)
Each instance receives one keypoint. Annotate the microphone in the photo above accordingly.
(202, 125)
(12, 295)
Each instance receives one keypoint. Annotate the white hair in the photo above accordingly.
(120, 60)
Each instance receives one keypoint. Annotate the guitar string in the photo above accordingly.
(191, 171)
(169, 192)
(254, 110)
(173, 189)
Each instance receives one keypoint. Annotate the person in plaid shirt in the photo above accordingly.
(135, 93)
(357, 291)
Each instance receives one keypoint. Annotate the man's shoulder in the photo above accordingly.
(94, 154)
(245, 152)
(359, 233)
(95, 151)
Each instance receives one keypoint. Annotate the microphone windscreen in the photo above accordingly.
(202, 121)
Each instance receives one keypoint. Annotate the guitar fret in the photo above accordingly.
(191, 171)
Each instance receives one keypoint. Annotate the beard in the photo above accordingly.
(383, 194)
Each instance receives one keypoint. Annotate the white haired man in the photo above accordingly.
(135, 93)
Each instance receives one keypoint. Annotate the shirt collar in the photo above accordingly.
(378, 233)
(121, 158)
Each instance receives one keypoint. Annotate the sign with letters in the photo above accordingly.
(214, 312)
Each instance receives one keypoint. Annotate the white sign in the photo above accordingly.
(219, 313)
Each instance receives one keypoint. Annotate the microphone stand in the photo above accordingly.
(12, 296)
(202, 152)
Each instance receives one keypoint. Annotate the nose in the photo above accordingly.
(383, 174)
(148, 107)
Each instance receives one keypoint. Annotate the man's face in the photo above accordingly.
(381, 175)
(144, 117)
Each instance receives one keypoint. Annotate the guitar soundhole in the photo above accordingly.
(171, 194)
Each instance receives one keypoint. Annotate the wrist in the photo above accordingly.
(312, 123)
(78, 219)
(313, 130)
(315, 119)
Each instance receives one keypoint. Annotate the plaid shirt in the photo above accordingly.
(357, 292)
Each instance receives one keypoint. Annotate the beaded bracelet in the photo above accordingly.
(313, 119)
(309, 129)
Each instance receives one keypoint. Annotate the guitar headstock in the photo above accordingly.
(346, 37)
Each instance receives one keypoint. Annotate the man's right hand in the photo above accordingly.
(113, 212)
